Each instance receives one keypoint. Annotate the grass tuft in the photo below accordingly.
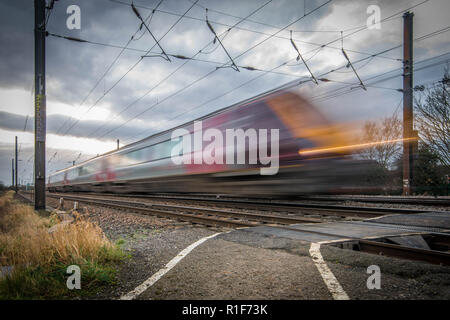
(40, 259)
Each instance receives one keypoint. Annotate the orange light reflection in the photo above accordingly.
(351, 147)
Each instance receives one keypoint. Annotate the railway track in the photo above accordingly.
(426, 201)
(222, 217)
(201, 215)
(444, 202)
(267, 205)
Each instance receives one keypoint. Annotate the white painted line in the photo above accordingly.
(172, 263)
(328, 277)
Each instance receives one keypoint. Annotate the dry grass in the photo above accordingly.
(26, 244)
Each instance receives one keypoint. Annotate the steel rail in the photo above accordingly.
(394, 250)
(375, 199)
(365, 245)
(330, 210)
(161, 208)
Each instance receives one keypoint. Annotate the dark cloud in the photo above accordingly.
(15, 122)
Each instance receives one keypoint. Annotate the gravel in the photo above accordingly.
(245, 265)
(150, 242)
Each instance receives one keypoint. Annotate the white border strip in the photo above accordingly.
(172, 263)
(328, 277)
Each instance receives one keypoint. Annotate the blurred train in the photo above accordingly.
(312, 157)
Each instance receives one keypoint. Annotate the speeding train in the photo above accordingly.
(312, 156)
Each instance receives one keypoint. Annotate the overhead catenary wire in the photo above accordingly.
(295, 83)
(136, 12)
(284, 86)
(182, 57)
(277, 27)
(250, 68)
(384, 51)
(259, 32)
(423, 37)
(397, 109)
(212, 71)
(52, 157)
(317, 50)
(49, 12)
(26, 121)
(328, 96)
(251, 80)
(250, 20)
(360, 28)
(233, 65)
(262, 70)
(104, 73)
(334, 93)
(354, 70)
(172, 73)
(363, 28)
(304, 62)
(129, 70)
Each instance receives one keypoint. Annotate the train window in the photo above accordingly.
(72, 174)
(132, 157)
(86, 169)
(151, 153)
(162, 150)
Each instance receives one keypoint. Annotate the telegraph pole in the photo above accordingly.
(117, 144)
(12, 173)
(407, 102)
(15, 167)
(39, 104)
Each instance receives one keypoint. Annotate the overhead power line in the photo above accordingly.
(304, 62)
(128, 71)
(136, 12)
(106, 71)
(339, 91)
(353, 68)
(285, 86)
(277, 27)
(233, 65)
(119, 2)
(251, 68)
(49, 12)
(171, 74)
(212, 71)
(203, 77)
(297, 82)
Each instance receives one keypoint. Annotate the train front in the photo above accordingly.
(316, 155)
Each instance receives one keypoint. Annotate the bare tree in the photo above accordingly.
(432, 118)
(379, 136)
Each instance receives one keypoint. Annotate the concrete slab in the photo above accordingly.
(411, 241)
(269, 262)
(290, 234)
(334, 231)
(439, 219)
(245, 264)
(220, 269)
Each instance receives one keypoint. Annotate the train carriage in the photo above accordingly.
(147, 165)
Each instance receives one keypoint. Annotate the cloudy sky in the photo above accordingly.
(98, 92)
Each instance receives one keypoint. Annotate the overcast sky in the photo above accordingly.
(141, 96)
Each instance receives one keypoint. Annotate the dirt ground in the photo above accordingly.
(244, 264)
